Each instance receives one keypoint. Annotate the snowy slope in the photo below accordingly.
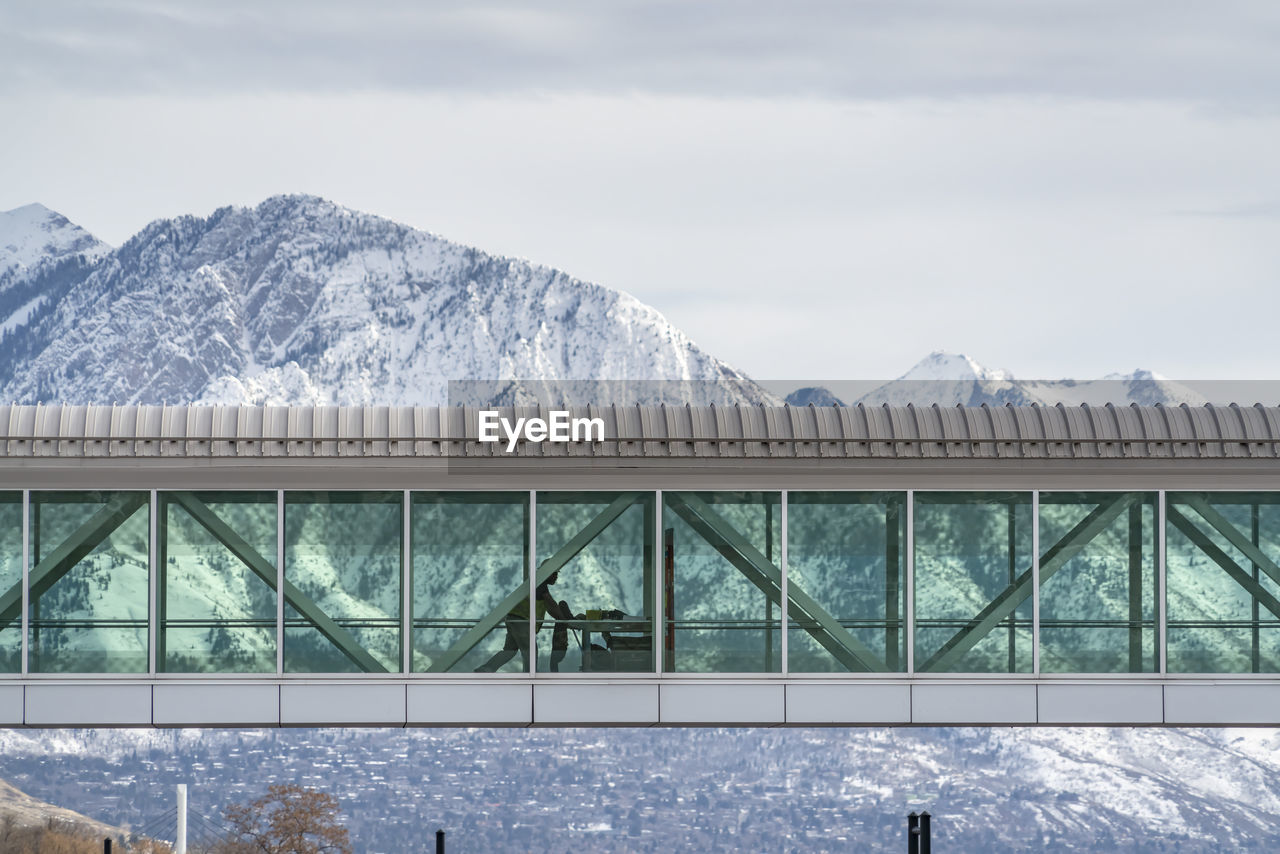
(302, 301)
(33, 234)
(951, 379)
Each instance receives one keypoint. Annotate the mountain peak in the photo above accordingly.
(943, 366)
(34, 233)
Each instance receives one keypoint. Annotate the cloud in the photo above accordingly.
(1221, 53)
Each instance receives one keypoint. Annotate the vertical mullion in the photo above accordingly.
(1012, 526)
(909, 629)
(1255, 640)
(153, 582)
(786, 665)
(659, 579)
(26, 579)
(532, 571)
(1161, 536)
(406, 587)
(1035, 581)
(280, 582)
(892, 584)
(1135, 587)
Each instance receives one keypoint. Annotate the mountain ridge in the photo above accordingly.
(299, 300)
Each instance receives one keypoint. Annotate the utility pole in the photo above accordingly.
(918, 833)
(180, 845)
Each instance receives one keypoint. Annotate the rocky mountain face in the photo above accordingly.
(302, 301)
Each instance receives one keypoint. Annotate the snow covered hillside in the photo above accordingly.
(301, 301)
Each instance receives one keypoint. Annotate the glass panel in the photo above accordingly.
(342, 565)
(721, 552)
(217, 593)
(1098, 582)
(90, 588)
(10, 582)
(470, 553)
(845, 553)
(973, 582)
(1222, 590)
(606, 539)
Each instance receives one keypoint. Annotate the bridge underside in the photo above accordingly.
(656, 702)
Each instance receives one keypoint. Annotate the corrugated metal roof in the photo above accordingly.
(885, 432)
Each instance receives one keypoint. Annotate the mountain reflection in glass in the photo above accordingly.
(602, 544)
(342, 566)
(10, 582)
(846, 585)
(1223, 582)
(1098, 589)
(973, 586)
(89, 582)
(470, 553)
(722, 582)
(217, 597)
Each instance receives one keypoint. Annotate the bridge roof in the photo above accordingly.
(851, 432)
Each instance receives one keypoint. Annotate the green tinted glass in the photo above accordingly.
(722, 582)
(1098, 582)
(1223, 582)
(342, 581)
(470, 556)
(217, 596)
(89, 580)
(595, 561)
(973, 585)
(10, 582)
(845, 581)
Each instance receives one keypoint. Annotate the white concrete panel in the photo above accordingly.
(848, 704)
(221, 704)
(1222, 704)
(10, 705)
(595, 704)
(470, 705)
(88, 705)
(722, 703)
(350, 704)
(1126, 705)
(973, 704)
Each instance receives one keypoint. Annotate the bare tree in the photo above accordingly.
(288, 819)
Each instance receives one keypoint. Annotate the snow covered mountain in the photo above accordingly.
(301, 301)
(33, 234)
(954, 379)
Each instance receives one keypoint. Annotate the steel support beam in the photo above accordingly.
(1098, 520)
(1240, 575)
(1233, 535)
(567, 552)
(346, 642)
(833, 637)
(71, 551)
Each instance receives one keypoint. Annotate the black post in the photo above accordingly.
(924, 832)
(439, 842)
(106, 845)
(913, 834)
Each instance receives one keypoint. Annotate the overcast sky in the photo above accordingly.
(810, 189)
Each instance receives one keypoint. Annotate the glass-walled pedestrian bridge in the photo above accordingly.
(222, 566)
